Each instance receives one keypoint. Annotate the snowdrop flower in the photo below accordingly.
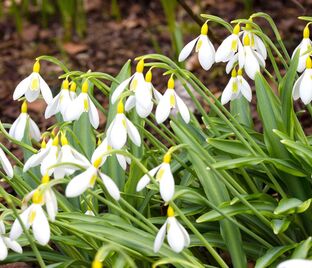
(72, 90)
(229, 46)
(89, 212)
(168, 101)
(302, 87)
(33, 217)
(177, 236)
(101, 151)
(82, 104)
(68, 154)
(18, 128)
(136, 81)
(60, 102)
(120, 128)
(86, 179)
(236, 87)
(142, 99)
(296, 263)
(163, 176)
(7, 243)
(205, 49)
(253, 60)
(32, 85)
(304, 46)
(5, 163)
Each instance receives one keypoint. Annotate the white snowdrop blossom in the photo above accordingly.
(253, 60)
(296, 263)
(120, 128)
(18, 128)
(135, 82)
(177, 236)
(142, 99)
(171, 100)
(89, 212)
(163, 176)
(72, 90)
(7, 243)
(304, 46)
(80, 183)
(60, 102)
(83, 104)
(33, 217)
(102, 150)
(5, 163)
(303, 86)
(32, 85)
(204, 48)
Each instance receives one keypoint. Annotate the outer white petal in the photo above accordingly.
(36, 159)
(186, 51)
(183, 109)
(295, 263)
(6, 164)
(130, 103)
(304, 46)
(101, 149)
(49, 160)
(45, 90)
(260, 46)
(296, 93)
(305, 89)
(80, 183)
(224, 51)
(2, 228)
(175, 236)
(166, 183)
(227, 92)
(16, 229)
(160, 237)
(117, 134)
(21, 87)
(187, 240)
(110, 186)
(251, 63)
(80, 158)
(34, 130)
(146, 179)
(18, 128)
(40, 226)
(12, 245)
(76, 108)
(206, 53)
(51, 204)
(64, 102)
(230, 64)
(122, 161)
(241, 55)
(144, 103)
(295, 50)
(163, 107)
(245, 88)
(157, 95)
(3, 250)
(93, 114)
(120, 89)
(133, 133)
(53, 107)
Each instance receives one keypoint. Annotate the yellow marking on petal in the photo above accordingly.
(64, 140)
(97, 264)
(124, 123)
(234, 74)
(45, 178)
(204, 29)
(170, 212)
(140, 66)
(65, 84)
(236, 29)
(36, 67)
(198, 45)
(37, 197)
(43, 144)
(240, 72)
(31, 216)
(24, 107)
(92, 180)
(34, 84)
(55, 141)
(246, 40)
(86, 105)
(149, 76)
(85, 87)
(97, 162)
(167, 158)
(172, 101)
(109, 148)
(306, 32)
(120, 107)
(235, 87)
(308, 63)
(234, 45)
(171, 83)
(99, 141)
(160, 174)
(134, 84)
(252, 40)
(73, 86)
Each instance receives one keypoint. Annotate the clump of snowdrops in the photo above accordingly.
(152, 187)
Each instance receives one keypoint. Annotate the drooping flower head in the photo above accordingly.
(5, 163)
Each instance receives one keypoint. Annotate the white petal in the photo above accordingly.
(296, 263)
(49, 160)
(130, 103)
(76, 108)
(6, 164)
(187, 240)
(80, 183)
(224, 51)
(175, 236)
(117, 134)
(99, 151)
(110, 186)
(144, 103)
(32, 95)
(34, 130)
(51, 204)
(230, 64)
(260, 46)
(146, 179)
(166, 183)
(36, 159)
(296, 93)
(157, 95)
(53, 107)
(305, 89)
(133, 133)
(227, 92)
(117, 92)
(183, 109)
(163, 107)
(159, 240)
(64, 102)
(18, 128)
(3, 250)
(2, 228)
(16, 229)
(93, 114)
(206, 53)
(12, 245)
(245, 89)
(251, 63)
(45, 90)
(40, 226)
(122, 161)
(21, 87)
(186, 51)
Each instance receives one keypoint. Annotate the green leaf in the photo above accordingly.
(292, 205)
(229, 146)
(240, 108)
(280, 226)
(302, 250)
